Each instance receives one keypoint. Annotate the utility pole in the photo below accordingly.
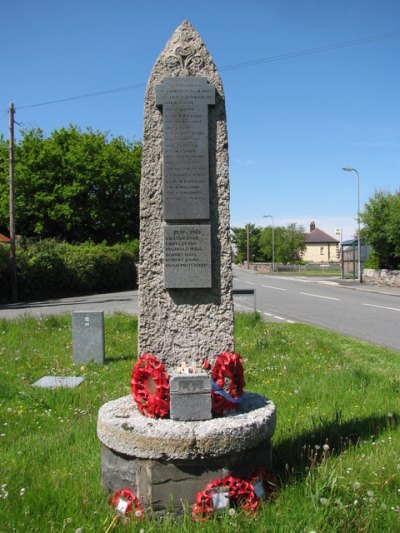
(248, 245)
(13, 261)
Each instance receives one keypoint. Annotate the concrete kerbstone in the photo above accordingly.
(123, 429)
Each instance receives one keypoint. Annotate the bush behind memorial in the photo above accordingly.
(51, 269)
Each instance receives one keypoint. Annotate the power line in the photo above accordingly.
(87, 95)
(235, 66)
(310, 51)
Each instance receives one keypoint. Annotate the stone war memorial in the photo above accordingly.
(188, 432)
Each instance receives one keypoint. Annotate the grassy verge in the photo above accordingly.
(313, 273)
(329, 390)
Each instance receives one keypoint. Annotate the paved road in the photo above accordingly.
(109, 303)
(367, 313)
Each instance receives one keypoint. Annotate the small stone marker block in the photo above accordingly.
(55, 382)
(88, 336)
(190, 397)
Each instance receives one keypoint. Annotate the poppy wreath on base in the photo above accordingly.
(150, 387)
(227, 382)
(240, 492)
(124, 501)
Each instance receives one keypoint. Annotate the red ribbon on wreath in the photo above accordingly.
(228, 375)
(240, 492)
(124, 501)
(150, 387)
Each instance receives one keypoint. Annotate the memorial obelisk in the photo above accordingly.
(185, 276)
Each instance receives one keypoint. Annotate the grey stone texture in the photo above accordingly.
(160, 484)
(382, 278)
(121, 428)
(56, 382)
(190, 397)
(196, 323)
(166, 461)
(88, 336)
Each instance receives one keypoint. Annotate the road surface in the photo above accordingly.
(367, 313)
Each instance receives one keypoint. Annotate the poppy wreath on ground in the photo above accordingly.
(150, 387)
(227, 382)
(124, 501)
(240, 492)
(268, 480)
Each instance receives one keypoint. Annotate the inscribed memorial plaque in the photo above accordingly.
(185, 102)
(187, 256)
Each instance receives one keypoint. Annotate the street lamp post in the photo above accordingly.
(273, 241)
(349, 169)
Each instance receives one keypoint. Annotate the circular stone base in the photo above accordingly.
(166, 461)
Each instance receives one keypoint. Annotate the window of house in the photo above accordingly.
(321, 250)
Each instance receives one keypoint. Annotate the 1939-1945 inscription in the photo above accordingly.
(185, 102)
(187, 256)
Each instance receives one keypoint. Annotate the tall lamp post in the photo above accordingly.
(349, 169)
(273, 241)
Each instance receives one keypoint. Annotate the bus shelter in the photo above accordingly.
(349, 257)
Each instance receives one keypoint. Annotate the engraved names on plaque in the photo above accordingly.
(185, 102)
(187, 256)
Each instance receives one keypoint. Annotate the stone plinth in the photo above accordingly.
(161, 460)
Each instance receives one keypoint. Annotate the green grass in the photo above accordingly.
(328, 389)
(314, 272)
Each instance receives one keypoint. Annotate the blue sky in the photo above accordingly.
(293, 123)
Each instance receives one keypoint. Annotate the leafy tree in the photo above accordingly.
(381, 218)
(73, 185)
(289, 242)
(239, 239)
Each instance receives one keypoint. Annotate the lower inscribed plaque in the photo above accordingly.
(187, 256)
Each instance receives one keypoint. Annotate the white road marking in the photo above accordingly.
(268, 314)
(276, 288)
(291, 321)
(288, 278)
(383, 307)
(279, 317)
(319, 296)
(248, 282)
(244, 307)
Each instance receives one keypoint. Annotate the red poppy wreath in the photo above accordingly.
(150, 387)
(227, 382)
(238, 491)
(124, 501)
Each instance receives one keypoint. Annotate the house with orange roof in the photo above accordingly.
(4, 239)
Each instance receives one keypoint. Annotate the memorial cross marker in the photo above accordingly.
(185, 103)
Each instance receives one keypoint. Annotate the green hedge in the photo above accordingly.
(50, 269)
